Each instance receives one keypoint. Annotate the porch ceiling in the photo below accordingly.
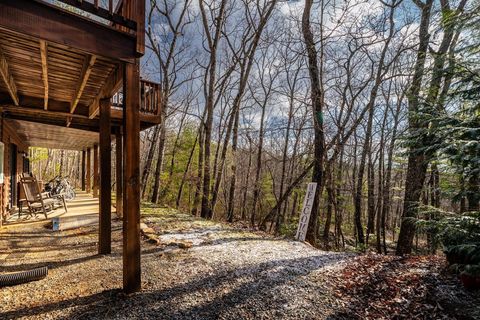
(51, 83)
(42, 81)
(54, 137)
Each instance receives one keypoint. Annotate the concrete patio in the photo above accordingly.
(84, 205)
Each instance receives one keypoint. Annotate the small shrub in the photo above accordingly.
(289, 229)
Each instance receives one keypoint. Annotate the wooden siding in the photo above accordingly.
(8, 136)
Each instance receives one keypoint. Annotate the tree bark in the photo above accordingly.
(206, 209)
(233, 179)
(148, 163)
(317, 100)
(159, 164)
(416, 167)
(184, 176)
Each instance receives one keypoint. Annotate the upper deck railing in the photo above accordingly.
(124, 15)
(150, 98)
(108, 12)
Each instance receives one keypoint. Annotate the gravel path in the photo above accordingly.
(226, 273)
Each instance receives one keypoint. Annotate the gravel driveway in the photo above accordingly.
(225, 273)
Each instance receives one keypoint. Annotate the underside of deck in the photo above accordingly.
(55, 84)
(59, 76)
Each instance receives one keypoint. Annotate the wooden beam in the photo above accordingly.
(37, 103)
(8, 78)
(89, 171)
(95, 171)
(119, 173)
(82, 80)
(36, 111)
(84, 154)
(51, 23)
(118, 114)
(105, 228)
(43, 58)
(131, 179)
(91, 127)
(111, 86)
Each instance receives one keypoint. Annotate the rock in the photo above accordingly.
(148, 230)
(182, 244)
(185, 244)
(154, 240)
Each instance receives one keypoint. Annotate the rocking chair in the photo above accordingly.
(38, 201)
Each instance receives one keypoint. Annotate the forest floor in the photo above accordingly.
(197, 269)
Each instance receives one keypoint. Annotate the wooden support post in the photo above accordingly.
(95, 171)
(89, 171)
(119, 172)
(131, 179)
(82, 178)
(105, 225)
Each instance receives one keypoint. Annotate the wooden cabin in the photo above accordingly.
(70, 79)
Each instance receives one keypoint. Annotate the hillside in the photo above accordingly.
(199, 269)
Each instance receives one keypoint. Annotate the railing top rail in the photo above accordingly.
(150, 82)
(107, 11)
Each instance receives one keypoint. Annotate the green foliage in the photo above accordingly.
(361, 247)
(448, 128)
(465, 254)
(472, 270)
(450, 229)
(460, 236)
(174, 167)
(38, 154)
(289, 229)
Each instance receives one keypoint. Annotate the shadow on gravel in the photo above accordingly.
(49, 264)
(251, 286)
(48, 242)
(55, 264)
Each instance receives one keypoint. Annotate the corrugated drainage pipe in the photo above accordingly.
(23, 276)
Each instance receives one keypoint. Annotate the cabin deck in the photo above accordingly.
(70, 79)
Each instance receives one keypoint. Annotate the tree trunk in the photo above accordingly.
(417, 162)
(159, 164)
(381, 70)
(285, 195)
(233, 179)
(279, 219)
(330, 186)
(258, 168)
(223, 155)
(62, 156)
(247, 179)
(473, 192)
(339, 202)
(148, 163)
(166, 189)
(206, 209)
(185, 173)
(200, 170)
(317, 100)
(370, 198)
